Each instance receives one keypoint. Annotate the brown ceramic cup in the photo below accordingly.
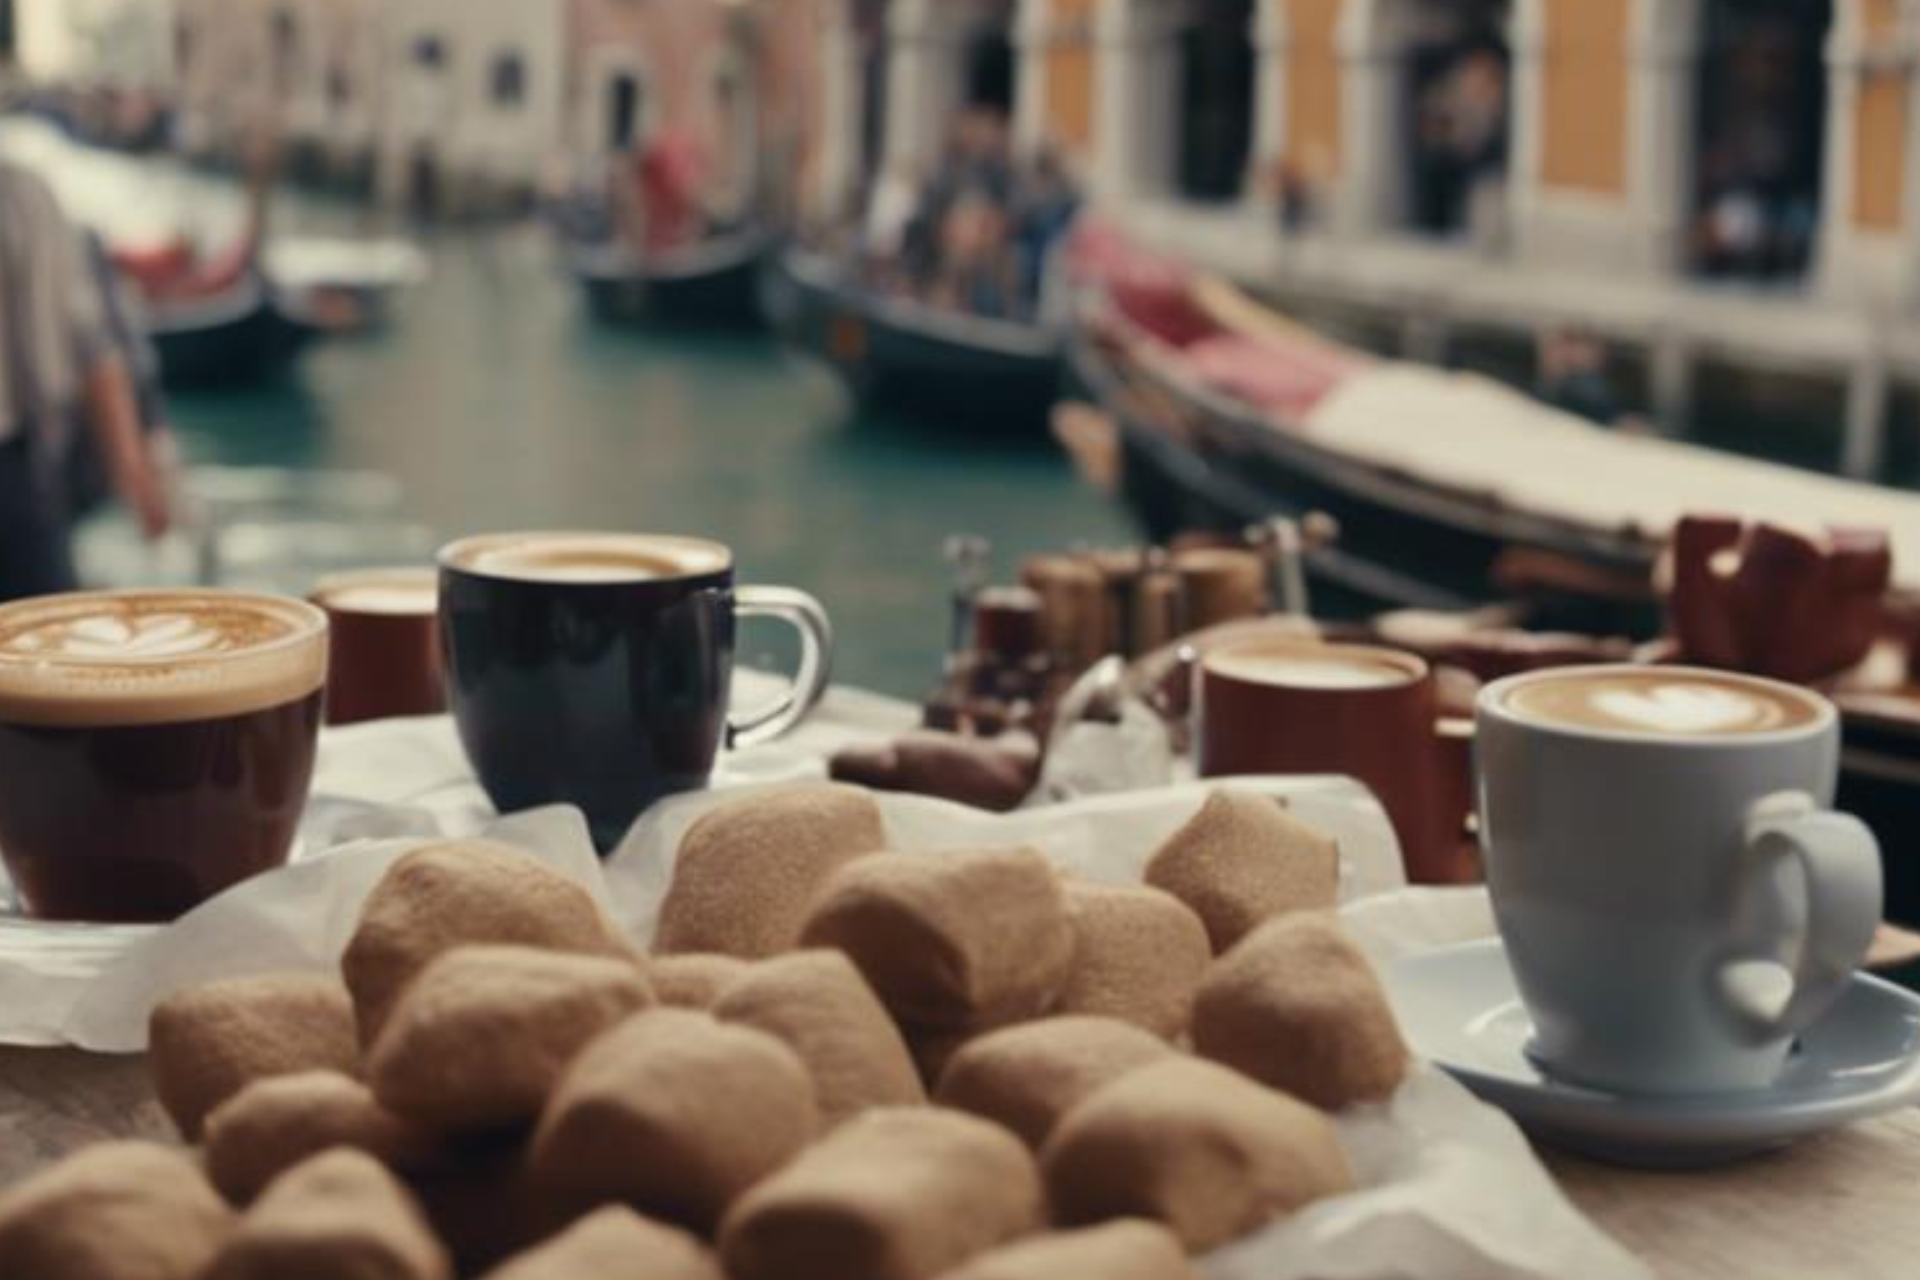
(1282, 706)
(386, 644)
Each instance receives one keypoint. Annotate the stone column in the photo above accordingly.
(922, 80)
(1846, 63)
(1528, 42)
(842, 106)
(1663, 54)
(1034, 37)
(1369, 191)
(1135, 82)
(1272, 41)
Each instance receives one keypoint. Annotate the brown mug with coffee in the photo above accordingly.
(156, 747)
(386, 644)
(1286, 706)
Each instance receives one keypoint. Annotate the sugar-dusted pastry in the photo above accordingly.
(951, 940)
(818, 1003)
(1296, 1006)
(1194, 1145)
(464, 891)
(694, 979)
(748, 869)
(114, 1211)
(614, 1243)
(1243, 859)
(339, 1216)
(206, 1043)
(274, 1124)
(479, 1039)
(1138, 955)
(1130, 1249)
(1028, 1076)
(900, 1193)
(674, 1113)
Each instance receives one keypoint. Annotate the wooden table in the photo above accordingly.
(1846, 1205)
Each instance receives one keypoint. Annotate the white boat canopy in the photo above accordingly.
(1472, 435)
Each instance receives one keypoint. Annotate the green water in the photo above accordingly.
(498, 404)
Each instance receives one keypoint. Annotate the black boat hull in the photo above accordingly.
(716, 286)
(1194, 463)
(983, 376)
(243, 338)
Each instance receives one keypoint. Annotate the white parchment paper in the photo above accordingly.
(1451, 1190)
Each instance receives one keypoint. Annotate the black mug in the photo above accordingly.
(594, 669)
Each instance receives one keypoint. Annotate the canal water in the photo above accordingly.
(498, 404)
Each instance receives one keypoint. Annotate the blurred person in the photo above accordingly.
(59, 368)
(977, 269)
(1045, 206)
(890, 214)
(1572, 375)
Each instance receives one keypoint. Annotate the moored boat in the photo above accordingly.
(715, 281)
(1449, 490)
(355, 284)
(986, 375)
(245, 333)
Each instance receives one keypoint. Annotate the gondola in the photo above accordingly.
(1428, 516)
(713, 283)
(244, 334)
(983, 375)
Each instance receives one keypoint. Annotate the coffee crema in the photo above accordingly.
(1334, 669)
(155, 657)
(1675, 702)
(387, 592)
(587, 559)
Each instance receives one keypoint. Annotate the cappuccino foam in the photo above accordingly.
(1666, 702)
(1306, 668)
(394, 592)
(587, 558)
(95, 659)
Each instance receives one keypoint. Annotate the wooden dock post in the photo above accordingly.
(1863, 448)
(1670, 367)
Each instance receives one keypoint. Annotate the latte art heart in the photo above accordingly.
(163, 636)
(149, 657)
(1685, 708)
(1672, 702)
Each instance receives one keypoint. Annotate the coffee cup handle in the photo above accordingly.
(1840, 862)
(805, 615)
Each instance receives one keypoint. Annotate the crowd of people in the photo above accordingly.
(978, 233)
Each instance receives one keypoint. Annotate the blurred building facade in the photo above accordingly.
(1718, 178)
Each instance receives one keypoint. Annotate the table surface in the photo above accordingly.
(1840, 1206)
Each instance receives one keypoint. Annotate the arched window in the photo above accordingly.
(1456, 116)
(870, 38)
(508, 80)
(1427, 108)
(1760, 124)
(990, 75)
(1215, 100)
(625, 108)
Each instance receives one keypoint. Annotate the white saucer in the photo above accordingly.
(1459, 1008)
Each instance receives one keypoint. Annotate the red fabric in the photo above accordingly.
(1286, 381)
(154, 267)
(670, 178)
(170, 271)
